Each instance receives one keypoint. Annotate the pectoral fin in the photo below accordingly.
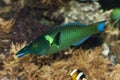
(81, 41)
(56, 40)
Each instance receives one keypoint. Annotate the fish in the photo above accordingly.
(61, 37)
(115, 14)
(77, 74)
(115, 17)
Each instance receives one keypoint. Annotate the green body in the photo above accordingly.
(115, 15)
(70, 36)
(60, 38)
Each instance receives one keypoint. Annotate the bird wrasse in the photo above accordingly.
(60, 38)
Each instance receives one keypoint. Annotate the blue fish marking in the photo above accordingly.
(101, 26)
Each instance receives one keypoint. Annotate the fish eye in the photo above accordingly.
(35, 45)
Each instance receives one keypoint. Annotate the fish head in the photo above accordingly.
(22, 52)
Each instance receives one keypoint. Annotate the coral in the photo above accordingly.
(25, 20)
(112, 39)
(84, 13)
(22, 21)
(47, 3)
(6, 26)
(114, 74)
(30, 67)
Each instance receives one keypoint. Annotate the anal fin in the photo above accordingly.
(81, 41)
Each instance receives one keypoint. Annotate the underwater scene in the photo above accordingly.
(59, 40)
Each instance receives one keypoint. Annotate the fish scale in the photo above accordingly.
(60, 38)
(70, 36)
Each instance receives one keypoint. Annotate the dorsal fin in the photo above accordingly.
(74, 24)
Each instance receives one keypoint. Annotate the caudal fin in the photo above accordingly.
(101, 26)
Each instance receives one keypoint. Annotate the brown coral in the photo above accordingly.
(31, 67)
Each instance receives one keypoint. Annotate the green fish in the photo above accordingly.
(115, 14)
(61, 37)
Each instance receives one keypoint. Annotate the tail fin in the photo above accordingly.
(101, 26)
(22, 52)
